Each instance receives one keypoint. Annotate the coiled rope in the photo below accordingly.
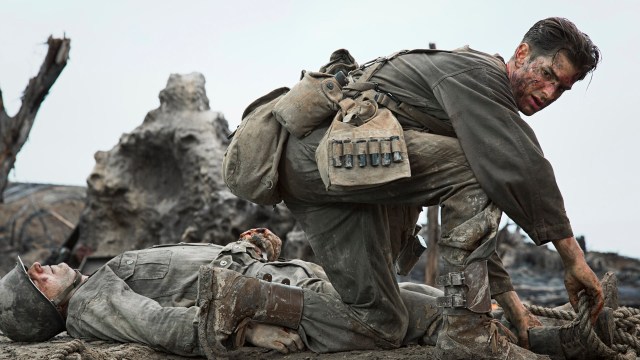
(66, 349)
(76, 349)
(626, 343)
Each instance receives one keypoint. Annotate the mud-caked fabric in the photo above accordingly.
(109, 310)
(425, 317)
(402, 225)
(327, 323)
(440, 175)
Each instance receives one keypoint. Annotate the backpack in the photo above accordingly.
(250, 164)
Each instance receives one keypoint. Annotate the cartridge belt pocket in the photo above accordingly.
(363, 147)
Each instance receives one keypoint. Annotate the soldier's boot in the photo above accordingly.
(469, 331)
(229, 301)
(561, 342)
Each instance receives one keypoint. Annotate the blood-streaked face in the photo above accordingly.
(51, 280)
(538, 82)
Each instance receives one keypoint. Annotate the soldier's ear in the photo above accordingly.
(522, 54)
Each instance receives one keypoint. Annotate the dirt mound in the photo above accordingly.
(35, 219)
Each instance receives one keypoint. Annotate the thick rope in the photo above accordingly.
(64, 350)
(586, 330)
(627, 322)
(551, 313)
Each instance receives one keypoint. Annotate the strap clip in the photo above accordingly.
(451, 279)
(451, 301)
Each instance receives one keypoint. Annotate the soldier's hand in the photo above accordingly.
(268, 242)
(578, 276)
(518, 315)
(274, 337)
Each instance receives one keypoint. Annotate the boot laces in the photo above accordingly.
(495, 327)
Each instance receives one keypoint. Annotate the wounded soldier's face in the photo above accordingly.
(51, 280)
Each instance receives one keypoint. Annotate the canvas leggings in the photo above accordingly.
(352, 237)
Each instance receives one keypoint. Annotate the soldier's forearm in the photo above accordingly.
(569, 251)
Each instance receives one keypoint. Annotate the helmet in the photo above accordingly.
(25, 313)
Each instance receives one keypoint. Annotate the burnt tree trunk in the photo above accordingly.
(433, 231)
(15, 130)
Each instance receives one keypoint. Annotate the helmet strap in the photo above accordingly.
(65, 295)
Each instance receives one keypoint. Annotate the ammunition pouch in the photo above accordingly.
(363, 147)
(466, 289)
(312, 101)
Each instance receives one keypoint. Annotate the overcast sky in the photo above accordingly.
(122, 53)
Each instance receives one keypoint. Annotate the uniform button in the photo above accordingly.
(129, 262)
(223, 262)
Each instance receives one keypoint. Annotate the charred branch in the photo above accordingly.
(15, 130)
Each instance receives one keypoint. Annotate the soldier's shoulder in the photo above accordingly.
(495, 60)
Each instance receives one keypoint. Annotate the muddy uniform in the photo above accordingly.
(149, 297)
(494, 163)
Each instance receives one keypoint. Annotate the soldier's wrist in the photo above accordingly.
(569, 251)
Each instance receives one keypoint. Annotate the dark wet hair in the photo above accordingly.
(549, 36)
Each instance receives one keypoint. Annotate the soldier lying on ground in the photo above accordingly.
(151, 297)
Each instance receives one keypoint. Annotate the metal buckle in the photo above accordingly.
(451, 279)
(371, 62)
(457, 278)
(452, 301)
(390, 95)
(458, 300)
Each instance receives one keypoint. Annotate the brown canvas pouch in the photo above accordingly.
(313, 100)
(250, 164)
(364, 147)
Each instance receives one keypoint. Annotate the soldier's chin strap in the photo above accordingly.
(65, 295)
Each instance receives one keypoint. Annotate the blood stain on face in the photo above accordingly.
(538, 82)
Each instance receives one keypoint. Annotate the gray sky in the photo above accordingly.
(122, 53)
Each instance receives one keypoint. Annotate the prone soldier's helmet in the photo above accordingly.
(25, 312)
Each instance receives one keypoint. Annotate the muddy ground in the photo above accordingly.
(100, 350)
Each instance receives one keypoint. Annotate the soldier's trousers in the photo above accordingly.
(352, 238)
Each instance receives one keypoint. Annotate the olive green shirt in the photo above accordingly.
(146, 296)
(470, 90)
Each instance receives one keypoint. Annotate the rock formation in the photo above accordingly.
(162, 183)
